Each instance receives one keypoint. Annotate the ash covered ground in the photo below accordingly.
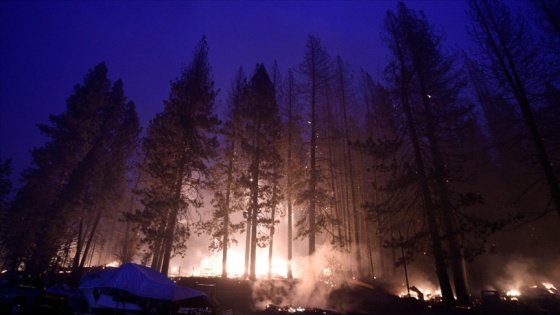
(299, 297)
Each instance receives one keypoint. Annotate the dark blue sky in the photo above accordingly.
(46, 47)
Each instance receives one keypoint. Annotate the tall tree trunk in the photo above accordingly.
(369, 250)
(271, 245)
(456, 258)
(349, 173)
(405, 73)
(90, 238)
(429, 210)
(172, 220)
(254, 216)
(333, 177)
(290, 274)
(168, 241)
(334, 201)
(289, 181)
(225, 239)
(248, 241)
(79, 244)
(312, 169)
(156, 261)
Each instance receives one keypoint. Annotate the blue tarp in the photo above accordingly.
(141, 281)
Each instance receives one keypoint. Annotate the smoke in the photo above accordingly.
(316, 276)
(523, 272)
(517, 273)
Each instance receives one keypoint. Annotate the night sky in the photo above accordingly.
(47, 47)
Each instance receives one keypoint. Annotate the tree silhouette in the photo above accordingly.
(77, 176)
(180, 142)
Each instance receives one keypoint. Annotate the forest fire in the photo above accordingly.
(211, 266)
(423, 292)
(513, 295)
(314, 278)
(537, 291)
(345, 179)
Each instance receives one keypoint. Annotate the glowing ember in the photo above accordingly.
(425, 294)
(550, 287)
(113, 264)
(513, 294)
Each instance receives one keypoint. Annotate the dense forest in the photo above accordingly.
(448, 159)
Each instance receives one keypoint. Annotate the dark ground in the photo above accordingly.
(242, 297)
(237, 296)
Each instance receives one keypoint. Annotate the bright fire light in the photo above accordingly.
(212, 265)
(113, 264)
(428, 294)
(513, 293)
(550, 287)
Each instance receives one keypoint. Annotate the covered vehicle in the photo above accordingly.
(137, 289)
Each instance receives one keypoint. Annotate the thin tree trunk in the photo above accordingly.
(225, 240)
(332, 172)
(248, 242)
(349, 173)
(79, 244)
(271, 245)
(290, 274)
(254, 216)
(289, 176)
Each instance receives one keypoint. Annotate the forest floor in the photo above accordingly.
(241, 297)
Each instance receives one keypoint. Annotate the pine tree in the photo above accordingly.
(180, 142)
(225, 177)
(427, 84)
(77, 175)
(260, 127)
(314, 74)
